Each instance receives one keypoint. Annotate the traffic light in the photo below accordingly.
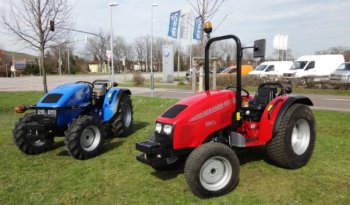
(52, 25)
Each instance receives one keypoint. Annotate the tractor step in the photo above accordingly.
(236, 140)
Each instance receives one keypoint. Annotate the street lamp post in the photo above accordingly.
(152, 75)
(113, 4)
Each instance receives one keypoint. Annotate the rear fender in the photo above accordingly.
(111, 102)
(272, 117)
(289, 102)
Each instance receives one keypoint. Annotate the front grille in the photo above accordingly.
(163, 139)
(288, 75)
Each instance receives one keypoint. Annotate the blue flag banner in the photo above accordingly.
(198, 28)
(174, 24)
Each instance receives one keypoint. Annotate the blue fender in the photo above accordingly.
(111, 102)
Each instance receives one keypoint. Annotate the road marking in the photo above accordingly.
(171, 91)
(338, 99)
(331, 109)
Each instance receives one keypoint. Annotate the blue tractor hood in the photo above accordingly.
(67, 95)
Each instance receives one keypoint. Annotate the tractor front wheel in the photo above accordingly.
(121, 125)
(85, 137)
(212, 170)
(294, 142)
(31, 141)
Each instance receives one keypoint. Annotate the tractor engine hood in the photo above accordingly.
(67, 95)
(196, 117)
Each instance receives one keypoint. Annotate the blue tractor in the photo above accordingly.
(84, 113)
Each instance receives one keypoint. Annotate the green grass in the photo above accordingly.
(115, 177)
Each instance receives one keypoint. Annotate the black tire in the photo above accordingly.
(27, 145)
(85, 137)
(212, 158)
(121, 126)
(174, 162)
(294, 152)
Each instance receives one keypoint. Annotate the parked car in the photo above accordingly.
(220, 69)
(269, 68)
(232, 70)
(341, 74)
(314, 66)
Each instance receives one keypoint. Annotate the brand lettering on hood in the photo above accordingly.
(211, 110)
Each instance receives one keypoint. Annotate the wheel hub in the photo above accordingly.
(36, 142)
(90, 138)
(300, 136)
(215, 173)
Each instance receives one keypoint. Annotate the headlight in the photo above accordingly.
(52, 112)
(167, 129)
(41, 112)
(158, 128)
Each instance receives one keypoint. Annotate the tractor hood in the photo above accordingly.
(67, 95)
(198, 106)
(194, 118)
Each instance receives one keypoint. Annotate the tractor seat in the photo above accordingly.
(100, 90)
(262, 98)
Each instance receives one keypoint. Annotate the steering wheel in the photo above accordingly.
(92, 85)
(244, 90)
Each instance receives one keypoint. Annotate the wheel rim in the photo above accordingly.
(301, 136)
(90, 138)
(126, 115)
(215, 173)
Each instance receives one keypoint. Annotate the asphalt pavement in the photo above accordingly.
(34, 83)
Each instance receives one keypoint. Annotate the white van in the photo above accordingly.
(271, 68)
(314, 66)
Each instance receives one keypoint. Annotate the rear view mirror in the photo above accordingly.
(259, 48)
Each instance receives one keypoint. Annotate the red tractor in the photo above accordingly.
(208, 127)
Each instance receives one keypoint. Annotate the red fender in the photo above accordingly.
(272, 117)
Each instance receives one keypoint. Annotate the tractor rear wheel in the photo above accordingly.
(294, 142)
(85, 137)
(30, 141)
(121, 125)
(211, 170)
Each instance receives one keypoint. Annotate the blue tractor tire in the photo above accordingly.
(85, 137)
(122, 123)
(29, 140)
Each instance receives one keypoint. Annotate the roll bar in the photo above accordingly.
(239, 65)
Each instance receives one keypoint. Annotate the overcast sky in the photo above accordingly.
(311, 25)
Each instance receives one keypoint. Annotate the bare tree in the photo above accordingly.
(336, 50)
(29, 20)
(119, 51)
(140, 50)
(206, 9)
(96, 48)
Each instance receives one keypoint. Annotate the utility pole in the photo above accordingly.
(68, 61)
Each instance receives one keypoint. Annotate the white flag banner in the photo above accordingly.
(184, 26)
(285, 43)
(280, 42)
